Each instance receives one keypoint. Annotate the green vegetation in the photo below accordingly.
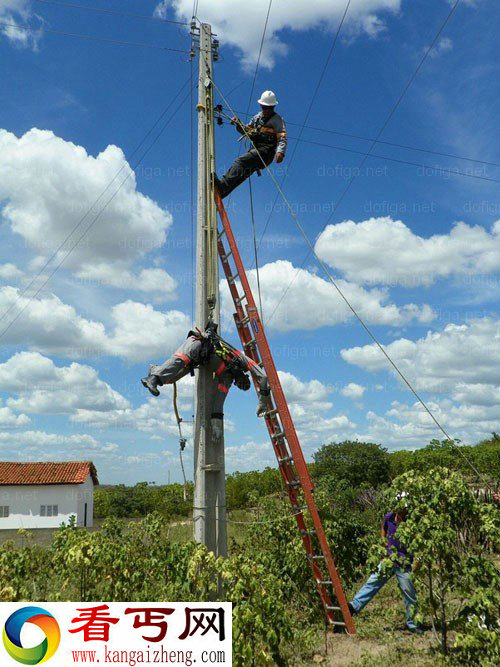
(453, 531)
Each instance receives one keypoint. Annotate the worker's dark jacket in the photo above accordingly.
(271, 132)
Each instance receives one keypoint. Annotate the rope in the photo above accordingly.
(255, 249)
(182, 440)
(352, 309)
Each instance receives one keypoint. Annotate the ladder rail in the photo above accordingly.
(250, 329)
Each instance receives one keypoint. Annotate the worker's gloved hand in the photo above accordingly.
(279, 157)
(217, 425)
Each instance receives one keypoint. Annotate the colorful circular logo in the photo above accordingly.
(12, 635)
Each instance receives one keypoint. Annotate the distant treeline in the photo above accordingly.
(357, 464)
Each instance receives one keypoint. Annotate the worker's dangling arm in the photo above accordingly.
(282, 139)
(179, 364)
(260, 376)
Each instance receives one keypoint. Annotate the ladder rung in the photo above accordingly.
(243, 322)
(318, 556)
(285, 459)
(326, 583)
(221, 233)
(278, 435)
(294, 483)
(329, 606)
(231, 279)
(308, 532)
(239, 299)
(250, 343)
(226, 255)
(337, 623)
(270, 413)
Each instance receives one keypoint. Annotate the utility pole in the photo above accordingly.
(209, 511)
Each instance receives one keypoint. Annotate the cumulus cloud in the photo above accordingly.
(386, 252)
(43, 446)
(323, 306)
(441, 361)
(138, 332)
(41, 387)
(48, 187)
(9, 419)
(10, 272)
(240, 23)
(353, 391)
(10, 13)
(313, 393)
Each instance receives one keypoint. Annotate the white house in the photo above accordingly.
(43, 495)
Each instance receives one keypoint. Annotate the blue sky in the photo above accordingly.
(416, 249)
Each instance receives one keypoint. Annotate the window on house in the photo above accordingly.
(49, 510)
(4, 511)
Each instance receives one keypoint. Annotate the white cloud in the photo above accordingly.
(46, 324)
(313, 394)
(385, 251)
(442, 361)
(353, 391)
(8, 419)
(40, 445)
(240, 23)
(10, 12)
(444, 45)
(49, 186)
(323, 306)
(44, 388)
(143, 333)
(10, 272)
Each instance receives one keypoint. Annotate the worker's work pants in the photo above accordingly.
(377, 580)
(171, 371)
(243, 167)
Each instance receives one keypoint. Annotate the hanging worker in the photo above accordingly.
(402, 568)
(226, 363)
(267, 132)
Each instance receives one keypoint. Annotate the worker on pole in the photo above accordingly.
(227, 364)
(267, 132)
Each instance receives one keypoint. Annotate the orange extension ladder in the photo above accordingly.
(285, 442)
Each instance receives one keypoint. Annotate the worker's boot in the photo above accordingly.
(219, 185)
(151, 382)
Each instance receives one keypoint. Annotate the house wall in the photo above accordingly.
(24, 504)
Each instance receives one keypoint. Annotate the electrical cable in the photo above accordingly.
(443, 170)
(255, 248)
(97, 216)
(394, 108)
(386, 143)
(324, 267)
(112, 12)
(106, 40)
(311, 103)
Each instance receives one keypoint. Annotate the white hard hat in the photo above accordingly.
(268, 99)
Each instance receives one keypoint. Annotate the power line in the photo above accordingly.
(97, 216)
(316, 90)
(112, 12)
(444, 170)
(388, 143)
(367, 154)
(395, 107)
(106, 40)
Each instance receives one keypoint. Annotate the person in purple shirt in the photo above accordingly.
(401, 568)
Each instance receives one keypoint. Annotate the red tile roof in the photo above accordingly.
(67, 472)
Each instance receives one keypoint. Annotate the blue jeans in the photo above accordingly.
(377, 580)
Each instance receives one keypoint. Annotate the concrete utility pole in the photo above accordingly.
(209, 512)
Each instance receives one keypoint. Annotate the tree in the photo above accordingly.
(451, 535)
(356, 462)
